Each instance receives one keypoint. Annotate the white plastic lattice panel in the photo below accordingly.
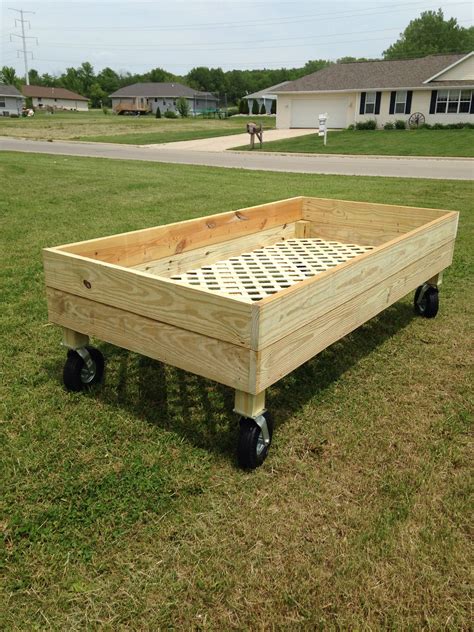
(267, 270)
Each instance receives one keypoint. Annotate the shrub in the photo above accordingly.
(242, 106)
(232, 111)
(255, 108)
(171, 114)
(389, 125)
(273, 109)
(245, 107)
(182, 105)
(105, 109)
(351, 126)
(438, 126)
(158, 112)
(263, 109)
(370, 124)
(399, 124)
(425, 126)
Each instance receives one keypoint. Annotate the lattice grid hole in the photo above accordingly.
(267, 270)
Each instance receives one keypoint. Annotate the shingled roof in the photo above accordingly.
(9, 91)
(150, 89)
(364, 75)
(43, 92)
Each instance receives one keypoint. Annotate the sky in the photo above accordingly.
(178, 35)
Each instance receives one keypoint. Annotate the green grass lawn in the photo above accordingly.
(123, 508)
(450, 142)
(143, 130)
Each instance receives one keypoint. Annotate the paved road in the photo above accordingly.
(457, 169)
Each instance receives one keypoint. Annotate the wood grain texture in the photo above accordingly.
(73, 339)
(362, 222)
(214, 359)
(302, 229)
(285, 355)
(290, 309)
(181, 262)
(198, 310)
(249, 405)
(150, 244)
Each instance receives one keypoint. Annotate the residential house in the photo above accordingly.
(441, 87)
(57, 98)
(147, 97)
(11, 100)
(264, 97)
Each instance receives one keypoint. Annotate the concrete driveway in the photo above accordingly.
(222, 143)
(433, 168)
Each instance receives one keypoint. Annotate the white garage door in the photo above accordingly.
(305, 112)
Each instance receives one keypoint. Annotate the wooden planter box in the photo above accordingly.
(245, 297)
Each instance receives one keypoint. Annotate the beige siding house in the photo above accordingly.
(56, 98)
(441, 87)
(11, 100)
(148, 97)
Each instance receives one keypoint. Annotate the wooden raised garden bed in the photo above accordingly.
(245, 297)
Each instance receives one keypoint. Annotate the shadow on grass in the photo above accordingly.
(199, 410)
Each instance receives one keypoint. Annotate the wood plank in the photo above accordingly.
(290, 309)
(362, 222)
(73, 339)
(302, 229)
(199, 310)
(285, 355)
(214, 359)
(249, 405)
(181, 262)
(138, 247)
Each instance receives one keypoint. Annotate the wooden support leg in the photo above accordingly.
(73, 339)
(249, 405)
(436, 280)
(302, 228)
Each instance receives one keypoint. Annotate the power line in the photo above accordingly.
(258, 22)
(23, 38)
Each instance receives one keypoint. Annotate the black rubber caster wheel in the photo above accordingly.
(428, 304)
(252, 450)
(77, 376)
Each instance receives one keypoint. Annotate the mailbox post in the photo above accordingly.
(323, 130)
(255, 130)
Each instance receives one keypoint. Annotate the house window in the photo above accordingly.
(453, 101)
(400, 101)
(369, 103)
(2, 103)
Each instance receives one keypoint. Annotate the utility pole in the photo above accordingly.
(23, 37)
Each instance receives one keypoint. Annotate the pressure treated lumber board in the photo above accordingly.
(204, 312)
(214, 359)
(290, 309)
(138, 247)
(288, 353)
(363, 222)
(181, 262)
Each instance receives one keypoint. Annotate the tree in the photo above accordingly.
(274, 107)
(35, 77)
(96, 96)
(158, 112)
(263, 109)
(8, 75)
(255, 107)
(182, 105)
(245, 108)
(158, 75)
(429, 34)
